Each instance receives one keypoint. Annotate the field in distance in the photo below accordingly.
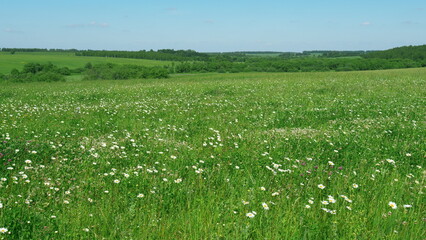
(216, 156)
(63, 59)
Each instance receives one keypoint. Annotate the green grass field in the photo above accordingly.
(19, 59)
(216, 156)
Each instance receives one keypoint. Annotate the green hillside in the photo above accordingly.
(63, 59)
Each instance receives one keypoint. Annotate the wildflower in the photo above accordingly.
(390, 161)
(307, 206)
(116, 181)
(324, 202)
(265, 206)
(310, 201)
(392, 205)
(355, 185)
(275, 194)
(28, 161)
(245, 202)
(3, 230)
(330, 163)
(179, 180)
(407, 206)
(321, 186)
(86, 229)
(349, 208)
(263, 188)
(250, 214)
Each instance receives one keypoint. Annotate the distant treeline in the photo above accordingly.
(36, 72)
(296, 65)
(162, 54)
(13, 50)
(323, 54)
(416, 53)
(119, 72)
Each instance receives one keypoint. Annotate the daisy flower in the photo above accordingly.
(250, 214)
(392, 205)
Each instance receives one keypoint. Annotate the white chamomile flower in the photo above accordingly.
(392, 205)
(251, 214)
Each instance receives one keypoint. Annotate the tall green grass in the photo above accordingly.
(216, 156)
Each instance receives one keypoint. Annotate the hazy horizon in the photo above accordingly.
(218, 26)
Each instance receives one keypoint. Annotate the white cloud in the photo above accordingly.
(10, 30)
(408, 22)
(90, 24)
(172, 11)
(366, 23)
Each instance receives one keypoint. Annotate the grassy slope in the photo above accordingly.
(17, 60)
(298, 121)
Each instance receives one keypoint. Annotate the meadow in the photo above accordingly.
(64, 59)
(216, 156)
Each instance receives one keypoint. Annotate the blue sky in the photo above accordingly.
(207, 25)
